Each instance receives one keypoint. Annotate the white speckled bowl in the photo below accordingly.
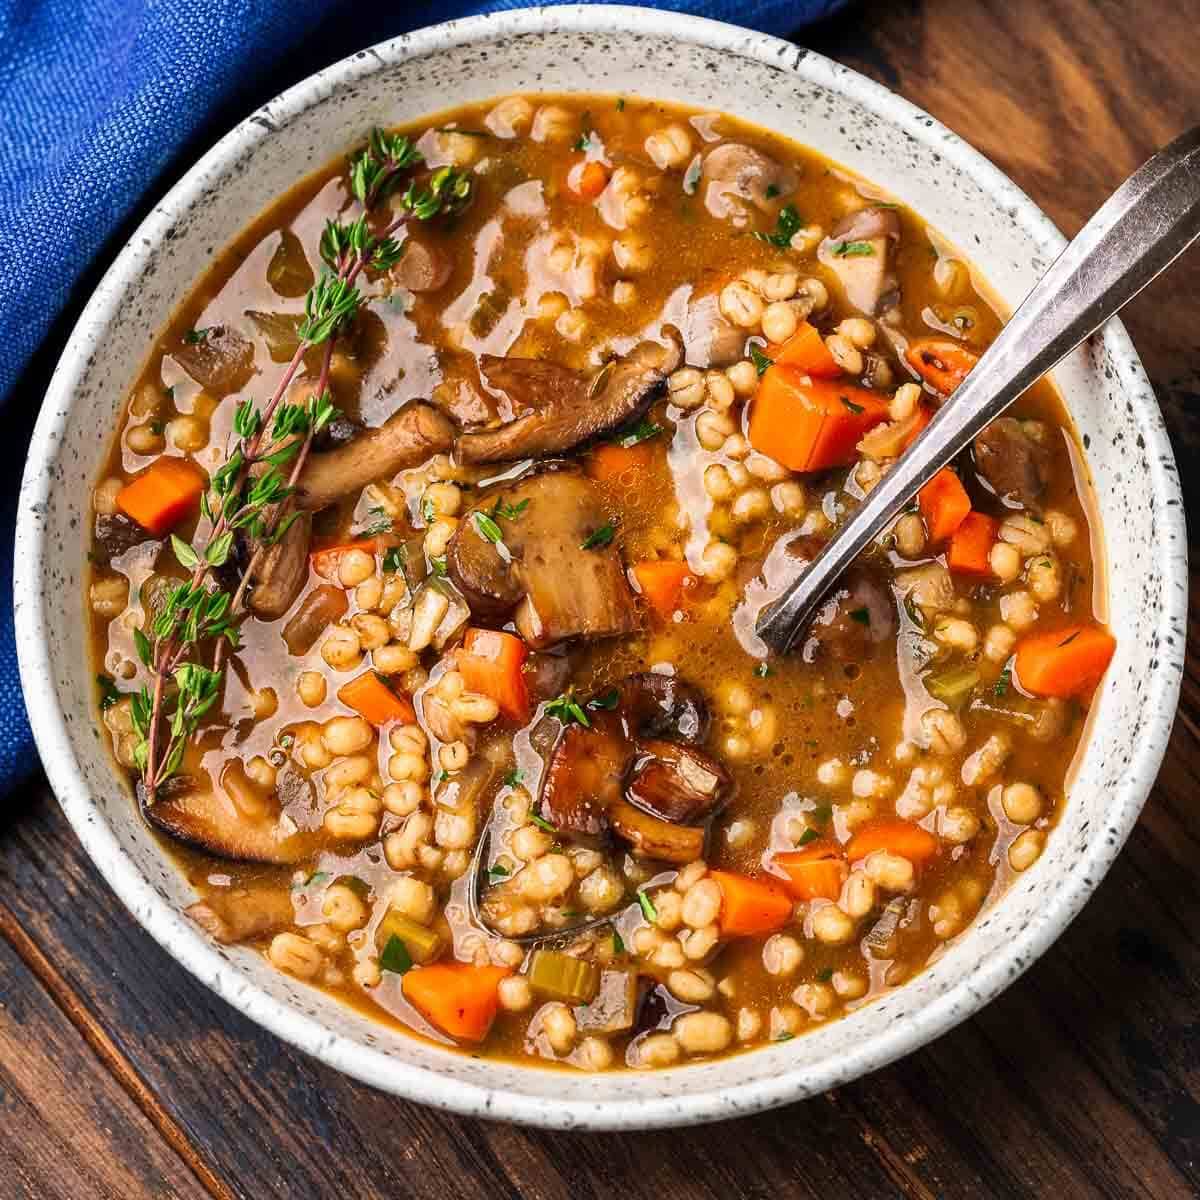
(843, 115)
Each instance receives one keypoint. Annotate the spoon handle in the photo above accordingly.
(1138, 232)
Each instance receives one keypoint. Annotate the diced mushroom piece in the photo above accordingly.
(115, 534)
(539, 565)
(422, 267)
(218, 358)
(662, 706)
(859, 614)
(1016, 467)
(677, 783)
(735, 176)
(561, 408)
(404, 440)
(322, 606)
(236, 820)
(282, 572)
(614, 1008)
(859, 253)
(584, 778)
(708, 339)
(240, 913)
(652, 837)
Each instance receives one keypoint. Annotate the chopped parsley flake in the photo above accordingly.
(599, 538)
(643, 431)
(1000, 687)
(513, 778)
(606, 700)
(809, 835)
(861, 615)
(853, 250)
(647, 907)
(762, 671)
(787, 225)
(541, 822)
(395, 957)
(760, 360)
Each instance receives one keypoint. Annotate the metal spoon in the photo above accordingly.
(1139, 231)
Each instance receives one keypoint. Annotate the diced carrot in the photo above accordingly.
(971, 545)
(944, 504)
(810, 424)
(806, 350)
(326, 560)
(162, 496)
(1066, 662)
(922, 418)
(460, 999)
(814, 872)
(751, 906)
(941, 363)
(661, 582)
(492, 664)
(587, 179)
(610, 460)
(896, 837)
(371, 698)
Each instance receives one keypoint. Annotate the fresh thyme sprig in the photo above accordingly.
(250, 491)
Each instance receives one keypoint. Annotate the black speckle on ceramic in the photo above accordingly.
(655, 54)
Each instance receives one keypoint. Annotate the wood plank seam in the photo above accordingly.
(891, 1160)
(106, 1050)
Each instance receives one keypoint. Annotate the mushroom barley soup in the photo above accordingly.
(427, 563)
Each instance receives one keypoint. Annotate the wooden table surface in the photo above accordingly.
(121, 1076)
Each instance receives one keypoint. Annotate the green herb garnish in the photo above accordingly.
(567, 709)
(762, 671)
(825, 975)
(194, 337)
(509, 512)
(634, 434)
(599, 538)
(861, 615)
(787, 225)
(394, 558)
(785, 1037)
(395, 957)
(851, 406)
(498, 871)
(853, 250)
(541, 822)
(647, 907)
(618, 943)
(513, 778)
(439, 566)
(1000, 687)
(809, 835)
(760, 360)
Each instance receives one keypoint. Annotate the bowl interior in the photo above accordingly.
(765, 81)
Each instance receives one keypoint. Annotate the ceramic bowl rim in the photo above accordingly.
(185, 943)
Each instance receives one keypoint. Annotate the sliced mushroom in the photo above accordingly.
(240, 913)
(708, 339)
(1016, 467)
(218, 358)
(423, 267)
(322, 606)
(677, 783)
(561, 408)
(405, 439)
(282, 571)
(563, 590)
(235, 820)
(652, 837)
(859, 253)
(584, 778)
(735, 176)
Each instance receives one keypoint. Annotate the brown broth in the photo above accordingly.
(854, 710)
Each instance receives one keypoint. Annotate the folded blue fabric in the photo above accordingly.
(97, 101)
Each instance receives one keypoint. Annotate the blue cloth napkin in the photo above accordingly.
(102, 104)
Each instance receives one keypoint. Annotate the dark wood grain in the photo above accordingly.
(120, 1075)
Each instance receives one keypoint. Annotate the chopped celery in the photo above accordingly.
(952, 686)
(562, 977)
(424, 945)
